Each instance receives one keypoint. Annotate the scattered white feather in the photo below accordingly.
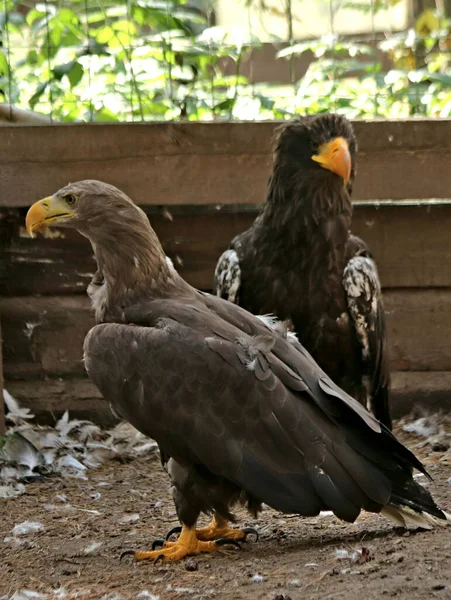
(257, 578)
(70, 462)
(65, 425)
(295, 582)
(147, 595)
(15, 413)
(9, 474)
(27, 595)
(145, 448)
(93, 546)
(69, 449)
(97, 457)
(352, 555)
(87, 510)
(27, 527)
(20, 451)
(132, 518)
(11, 491)
(423, 427)
(13, 540)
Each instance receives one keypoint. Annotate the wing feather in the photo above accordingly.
(266, 432)
(227, 279)
(365, 305)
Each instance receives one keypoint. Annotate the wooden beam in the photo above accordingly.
(2, 404)
(43, 336)
(49, 399)
(211, 163)
(410, 243)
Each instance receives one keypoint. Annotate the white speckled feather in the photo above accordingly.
(228, 276)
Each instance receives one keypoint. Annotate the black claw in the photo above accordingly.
(177, 529)
(157, 560)
(157, 544)
(126, 553)
(225, 541)
(250, 531)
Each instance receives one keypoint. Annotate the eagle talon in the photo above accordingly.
(250, 531)
(158, 558)
(159, 543)
(225, 541)
(126, 553)
(176, 529)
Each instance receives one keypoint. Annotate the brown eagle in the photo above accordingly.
(240, 413)
(300, 262)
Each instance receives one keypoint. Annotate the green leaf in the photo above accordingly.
(38, 93)
(75, 75)
(125, 25)
(4, 67)
(105, 114)
(32, 57)
(225, 105)
(66, 16)
(440, 77)
(104, 35)
(34, 15)
(72, 69)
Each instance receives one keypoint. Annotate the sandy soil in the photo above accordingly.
(76, 553)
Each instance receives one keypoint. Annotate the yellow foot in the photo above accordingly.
(217, 529)
(187, 545)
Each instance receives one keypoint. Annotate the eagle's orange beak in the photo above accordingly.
(45, 212)
(336, 157)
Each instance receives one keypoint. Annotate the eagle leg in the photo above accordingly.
(218, 529)
(187, 545)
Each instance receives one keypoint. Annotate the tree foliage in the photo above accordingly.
(99, 60)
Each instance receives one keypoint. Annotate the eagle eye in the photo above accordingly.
(70, 199)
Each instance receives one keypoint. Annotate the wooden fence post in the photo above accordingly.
(2, 405)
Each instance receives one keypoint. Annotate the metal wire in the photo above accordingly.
(88, 49)
(8, 58)
(49, 61)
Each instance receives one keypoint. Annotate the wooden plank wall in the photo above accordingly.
(2, 406)
(200, 185)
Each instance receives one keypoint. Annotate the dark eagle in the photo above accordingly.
(240, 412)
(300, 262)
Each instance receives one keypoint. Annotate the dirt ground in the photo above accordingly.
(87, 524)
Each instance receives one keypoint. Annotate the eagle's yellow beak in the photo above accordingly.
(45, 212)
(336, 157)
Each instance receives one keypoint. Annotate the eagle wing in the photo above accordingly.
(213, 396)
(365, 305)
(227, 279)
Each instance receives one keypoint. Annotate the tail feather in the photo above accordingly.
(409, 518)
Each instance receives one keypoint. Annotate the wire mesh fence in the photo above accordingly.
(143, 60)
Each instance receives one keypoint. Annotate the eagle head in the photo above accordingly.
(92, 207)
(320, 149)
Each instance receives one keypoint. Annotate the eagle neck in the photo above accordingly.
(301, 211)
(304, 231)
(133, 265)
